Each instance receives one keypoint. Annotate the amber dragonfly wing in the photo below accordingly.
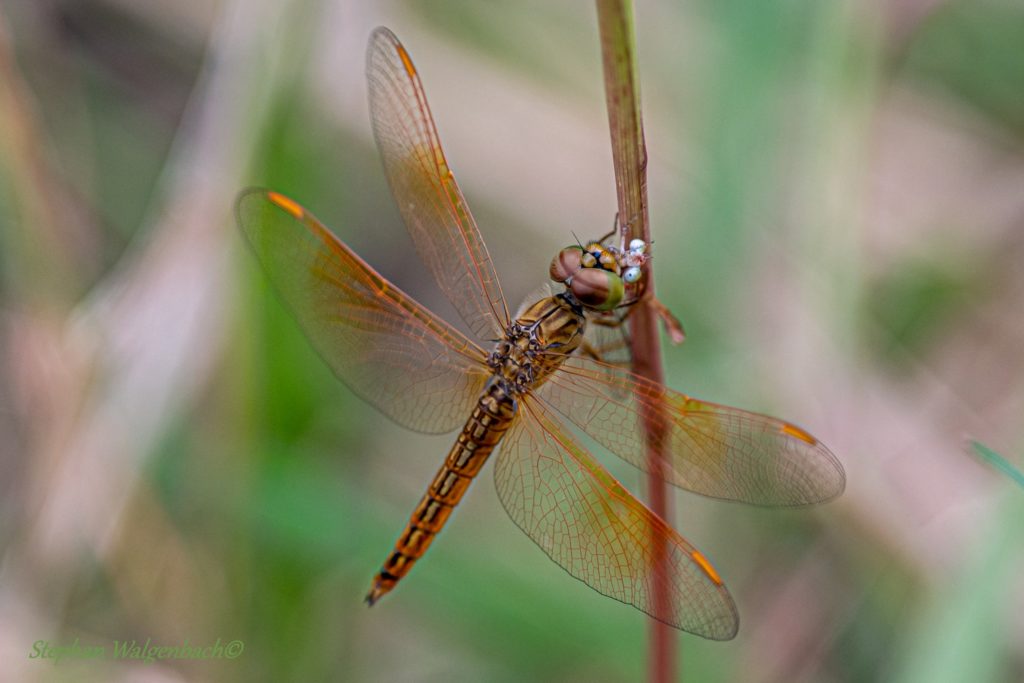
(588, 523)
(710, 449)
(394, 353)
(429, 199)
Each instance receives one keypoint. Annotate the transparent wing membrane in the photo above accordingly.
(407, 362)
(424, 187)
(709, 449)
(588, 523)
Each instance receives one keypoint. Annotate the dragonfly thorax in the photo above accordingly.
(536, 343)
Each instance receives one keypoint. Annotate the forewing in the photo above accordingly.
(709, 449)
(428, 197)
(394, 353)
(597, 531)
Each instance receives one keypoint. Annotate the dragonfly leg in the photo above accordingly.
(673, 327)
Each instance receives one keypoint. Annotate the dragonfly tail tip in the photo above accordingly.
(375, 594)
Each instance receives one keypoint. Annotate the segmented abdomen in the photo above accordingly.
(488, 422)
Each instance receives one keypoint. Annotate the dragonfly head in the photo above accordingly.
(591, 274)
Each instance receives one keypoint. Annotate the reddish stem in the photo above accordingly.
(629, 156)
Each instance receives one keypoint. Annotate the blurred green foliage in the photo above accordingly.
(916, 302)
(972, 50)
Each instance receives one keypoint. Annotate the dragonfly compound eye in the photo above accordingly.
(597, 289)
(609, 261)
(566, 263)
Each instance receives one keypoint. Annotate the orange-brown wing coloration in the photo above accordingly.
(710, 449)
(597, 531)
(394, 353)
(428, 197)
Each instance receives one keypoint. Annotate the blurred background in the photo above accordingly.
(837, 199)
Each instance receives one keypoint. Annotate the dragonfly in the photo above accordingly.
(523, 384)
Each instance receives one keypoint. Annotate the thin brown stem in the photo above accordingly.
(629, 155)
